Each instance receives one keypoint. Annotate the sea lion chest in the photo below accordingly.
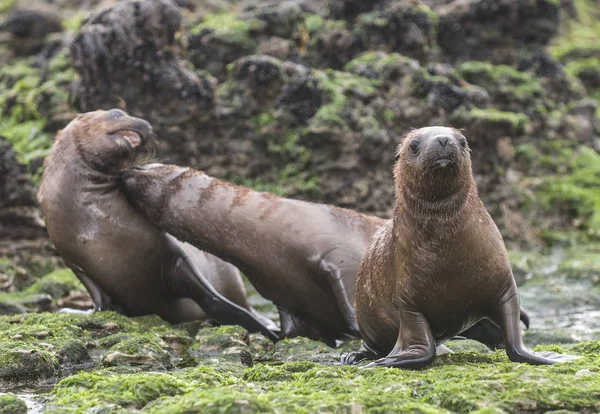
(93, 227)
(453, 278)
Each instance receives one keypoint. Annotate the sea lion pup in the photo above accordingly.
(302, 256)
(124, 261)
(439, 266)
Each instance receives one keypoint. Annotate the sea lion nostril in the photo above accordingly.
(443, 141)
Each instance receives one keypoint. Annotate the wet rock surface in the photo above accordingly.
(308, 99)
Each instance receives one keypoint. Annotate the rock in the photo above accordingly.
(219, 40)
(29, 28)
(16, 188)
(11, 404)
(334, 48)
(301, 99)
(405, 27)
(349, 9)
(279, 18)
(495, 29)
(225, 344)
(276, 47)
(138, 66)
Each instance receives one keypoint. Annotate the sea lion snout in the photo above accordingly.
(134, 132)
(438, 148)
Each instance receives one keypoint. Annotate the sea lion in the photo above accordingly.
(124, 261)
(303, 256)
(439, 266)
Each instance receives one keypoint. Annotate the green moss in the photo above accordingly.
(507, 123)
(5, 5)
(336, 87)
(580, 37)
(501, 80)
(207, 401)
(576, 191)
(588, 71)
(74, 22)
(263, 120)
(57, 284)
(23, 89)
(313, 22)
(89, 390)
(146, 350)
(25, 362)
(11, 404)
(229, 28)
(377, 65)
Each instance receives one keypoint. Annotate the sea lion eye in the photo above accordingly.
(414, 146)
(115, 114)
(463, 142)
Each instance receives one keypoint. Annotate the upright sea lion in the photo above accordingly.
(124, 261)
(439, 266)
(302, 256)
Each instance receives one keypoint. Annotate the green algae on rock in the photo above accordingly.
(11, 404)
(490, 123)
(57, 283)
(103, 389)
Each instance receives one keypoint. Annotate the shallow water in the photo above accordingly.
(31, 400)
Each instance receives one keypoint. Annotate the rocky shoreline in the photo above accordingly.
(306, 98)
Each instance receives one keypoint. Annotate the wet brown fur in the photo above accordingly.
(439, 266)
(90, 223)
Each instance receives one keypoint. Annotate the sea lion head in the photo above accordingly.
(109, 141)
(434, 162)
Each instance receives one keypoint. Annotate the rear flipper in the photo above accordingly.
(293, 326)
(506, 315)
(189, 282)
(490, 334)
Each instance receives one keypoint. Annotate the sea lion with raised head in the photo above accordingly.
(439, 266)
(303, 256)
(124, 261)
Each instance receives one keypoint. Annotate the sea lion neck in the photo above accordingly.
(428, 215)
(89, 176)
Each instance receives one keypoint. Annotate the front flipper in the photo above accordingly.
(354, 357)
(415, 347)
(340, 273)
(507, 317)
(192, 284)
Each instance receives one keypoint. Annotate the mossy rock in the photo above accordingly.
(11, 404)
(30, 98)
(21, 363)
(146, 351)
(209, 401)
(402, 27)
(489, 123)
(574, 192)
(510, 89)
(304, 349)
(57, 284)
(587, 70)
(89, 390)
(221, 346)
(381, 65)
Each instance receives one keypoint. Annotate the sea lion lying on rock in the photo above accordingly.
(439, 266)
(302, 256)
(124, 261)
